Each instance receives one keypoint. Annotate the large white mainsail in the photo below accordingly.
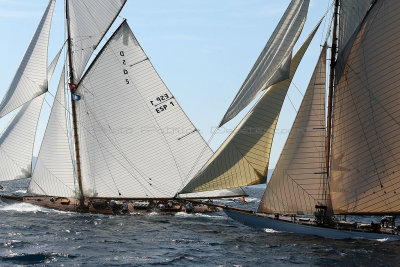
(54, 172)
(243, 158)
(272, 66)
(366, 125)
(135, 140)
(30, 79)
(89, 21)
(298, 181)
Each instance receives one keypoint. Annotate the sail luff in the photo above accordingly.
(330, 96)
(73, 106)
(30, 79)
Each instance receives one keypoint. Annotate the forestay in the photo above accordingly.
(135, 140)
(366, 127)
(30, 79)
(272, 66)
(54, 172)
(298, 181)
(89, 21)
(243, 158)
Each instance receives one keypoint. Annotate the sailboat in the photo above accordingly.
(334, 166)
(117, 140)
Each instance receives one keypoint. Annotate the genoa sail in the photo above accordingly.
(136, 141)
(272, 66)
(54, 172)
(223, 193)
(243, 158)
(366, 123)
(297, 183)
(30, 79)
(89, 21)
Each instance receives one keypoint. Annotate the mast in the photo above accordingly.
(74, 120)
(330, 97)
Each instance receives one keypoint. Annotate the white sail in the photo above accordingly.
(53, 64)
(54, 172)
(30, 79)
(135, 140)
(297, 183)
(89, 21)
(16, 142)
(270, 67)
(223, 193)
(366, 124)
(243, 158)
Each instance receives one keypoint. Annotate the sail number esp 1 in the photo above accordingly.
(162, 102)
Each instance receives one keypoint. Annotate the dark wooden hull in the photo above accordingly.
(103, 207)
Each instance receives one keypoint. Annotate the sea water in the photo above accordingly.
(31, 235)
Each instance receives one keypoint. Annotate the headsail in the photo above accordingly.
(54, 172)
(16, 142)
(243, 158)
(30, 79)
(272, 66)
(89, 21)
(136, 141)
(223, 193)
(297, 183)
(366, 125)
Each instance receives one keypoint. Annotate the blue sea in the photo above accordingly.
(34, 236)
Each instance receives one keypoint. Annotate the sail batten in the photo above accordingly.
(30, 79)
(89, 21)
(296, 185)
(243, 158)
(366, 123)
(136, 141)
(54, 172)
(273, 64)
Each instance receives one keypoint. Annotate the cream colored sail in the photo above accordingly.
(30, 79)
(243, 158)
(365, 164)
(270, 67)
(352, 13)
(297, 183)
(54, 172)
(135, 140)
(89, 21)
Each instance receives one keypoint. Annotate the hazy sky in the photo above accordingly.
(202, 49)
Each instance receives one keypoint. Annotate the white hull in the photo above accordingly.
(263, 222)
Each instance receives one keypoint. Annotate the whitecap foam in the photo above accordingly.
(22, 207)
(21, 191)
(270, 231)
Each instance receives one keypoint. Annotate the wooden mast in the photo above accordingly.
(74, 120)
(330, 97)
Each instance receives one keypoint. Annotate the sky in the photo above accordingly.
(202, 49)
